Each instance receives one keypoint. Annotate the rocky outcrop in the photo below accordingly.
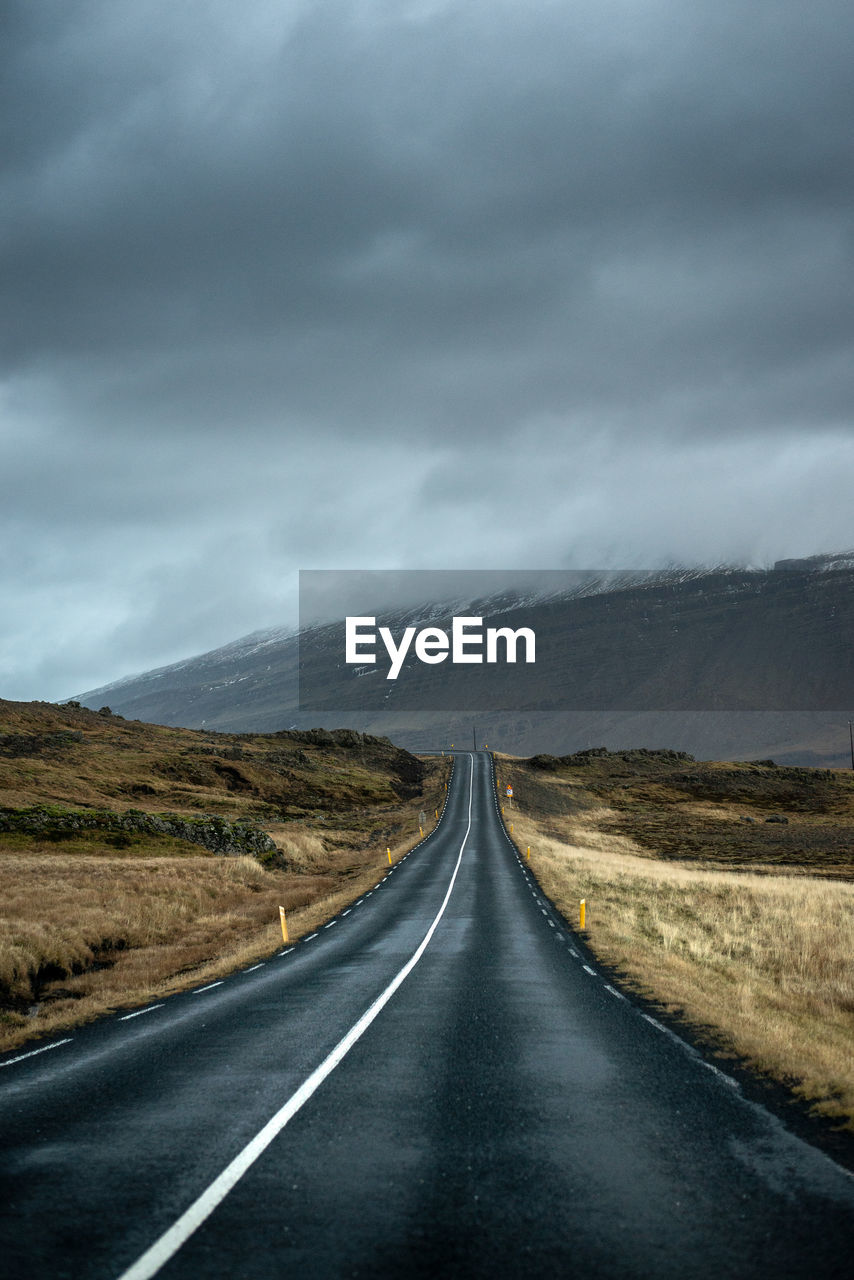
(214, 833)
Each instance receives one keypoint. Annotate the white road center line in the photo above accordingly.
(171, 1241)
(32, 1053)
(127, 1016)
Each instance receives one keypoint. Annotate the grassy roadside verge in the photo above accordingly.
(759, 962)
(107, 902)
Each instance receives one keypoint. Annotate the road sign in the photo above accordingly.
(510, 792)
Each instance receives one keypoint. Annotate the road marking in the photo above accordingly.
(309, 938)
(198, 990)
(331, 923)
(32, 1053)
(587, 969)
(286, 953)
(171, 1241)
(125, 1017)
(710, 1066)
(573, 952)
(552, 923)
(691, 1051)
(254, 967)
(673, 1036)
(614, 991)
(346, 913)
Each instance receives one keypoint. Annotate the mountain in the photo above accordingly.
(724, 663)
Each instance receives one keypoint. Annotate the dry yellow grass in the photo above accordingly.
(87, 930)
(761, 964)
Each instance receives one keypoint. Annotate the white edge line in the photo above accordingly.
(587, 969)
(127, 1016)
(710, 1066)
(689, 1049)
(614, 991)
(197, 991)
(254, 967)
(171, 1241)
(32, 1053)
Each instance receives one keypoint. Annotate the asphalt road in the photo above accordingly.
(438, 1083)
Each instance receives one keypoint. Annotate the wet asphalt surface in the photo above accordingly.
(506, 1113)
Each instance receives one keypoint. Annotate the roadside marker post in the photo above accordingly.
(388, 851)
(529, 853)
(284, 924)
(582, 911)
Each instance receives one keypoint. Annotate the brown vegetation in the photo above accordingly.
(91, 922)
(745, 930)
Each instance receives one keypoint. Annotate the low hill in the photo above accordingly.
(75, 756)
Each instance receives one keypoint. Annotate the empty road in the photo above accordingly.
(437, 1083)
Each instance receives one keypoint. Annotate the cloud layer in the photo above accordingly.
(369, 284)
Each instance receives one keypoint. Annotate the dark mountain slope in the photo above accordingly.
(727, 664)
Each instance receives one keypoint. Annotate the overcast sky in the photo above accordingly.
(390, 284)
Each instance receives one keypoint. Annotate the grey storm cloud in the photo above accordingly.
(361, 283)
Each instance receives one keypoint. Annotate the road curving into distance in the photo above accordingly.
(436, 1083)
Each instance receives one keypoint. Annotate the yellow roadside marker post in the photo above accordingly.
(388, 851)
(436, 812)
(529, 853)
(421, 832)
(582, 911)
(284, 924)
